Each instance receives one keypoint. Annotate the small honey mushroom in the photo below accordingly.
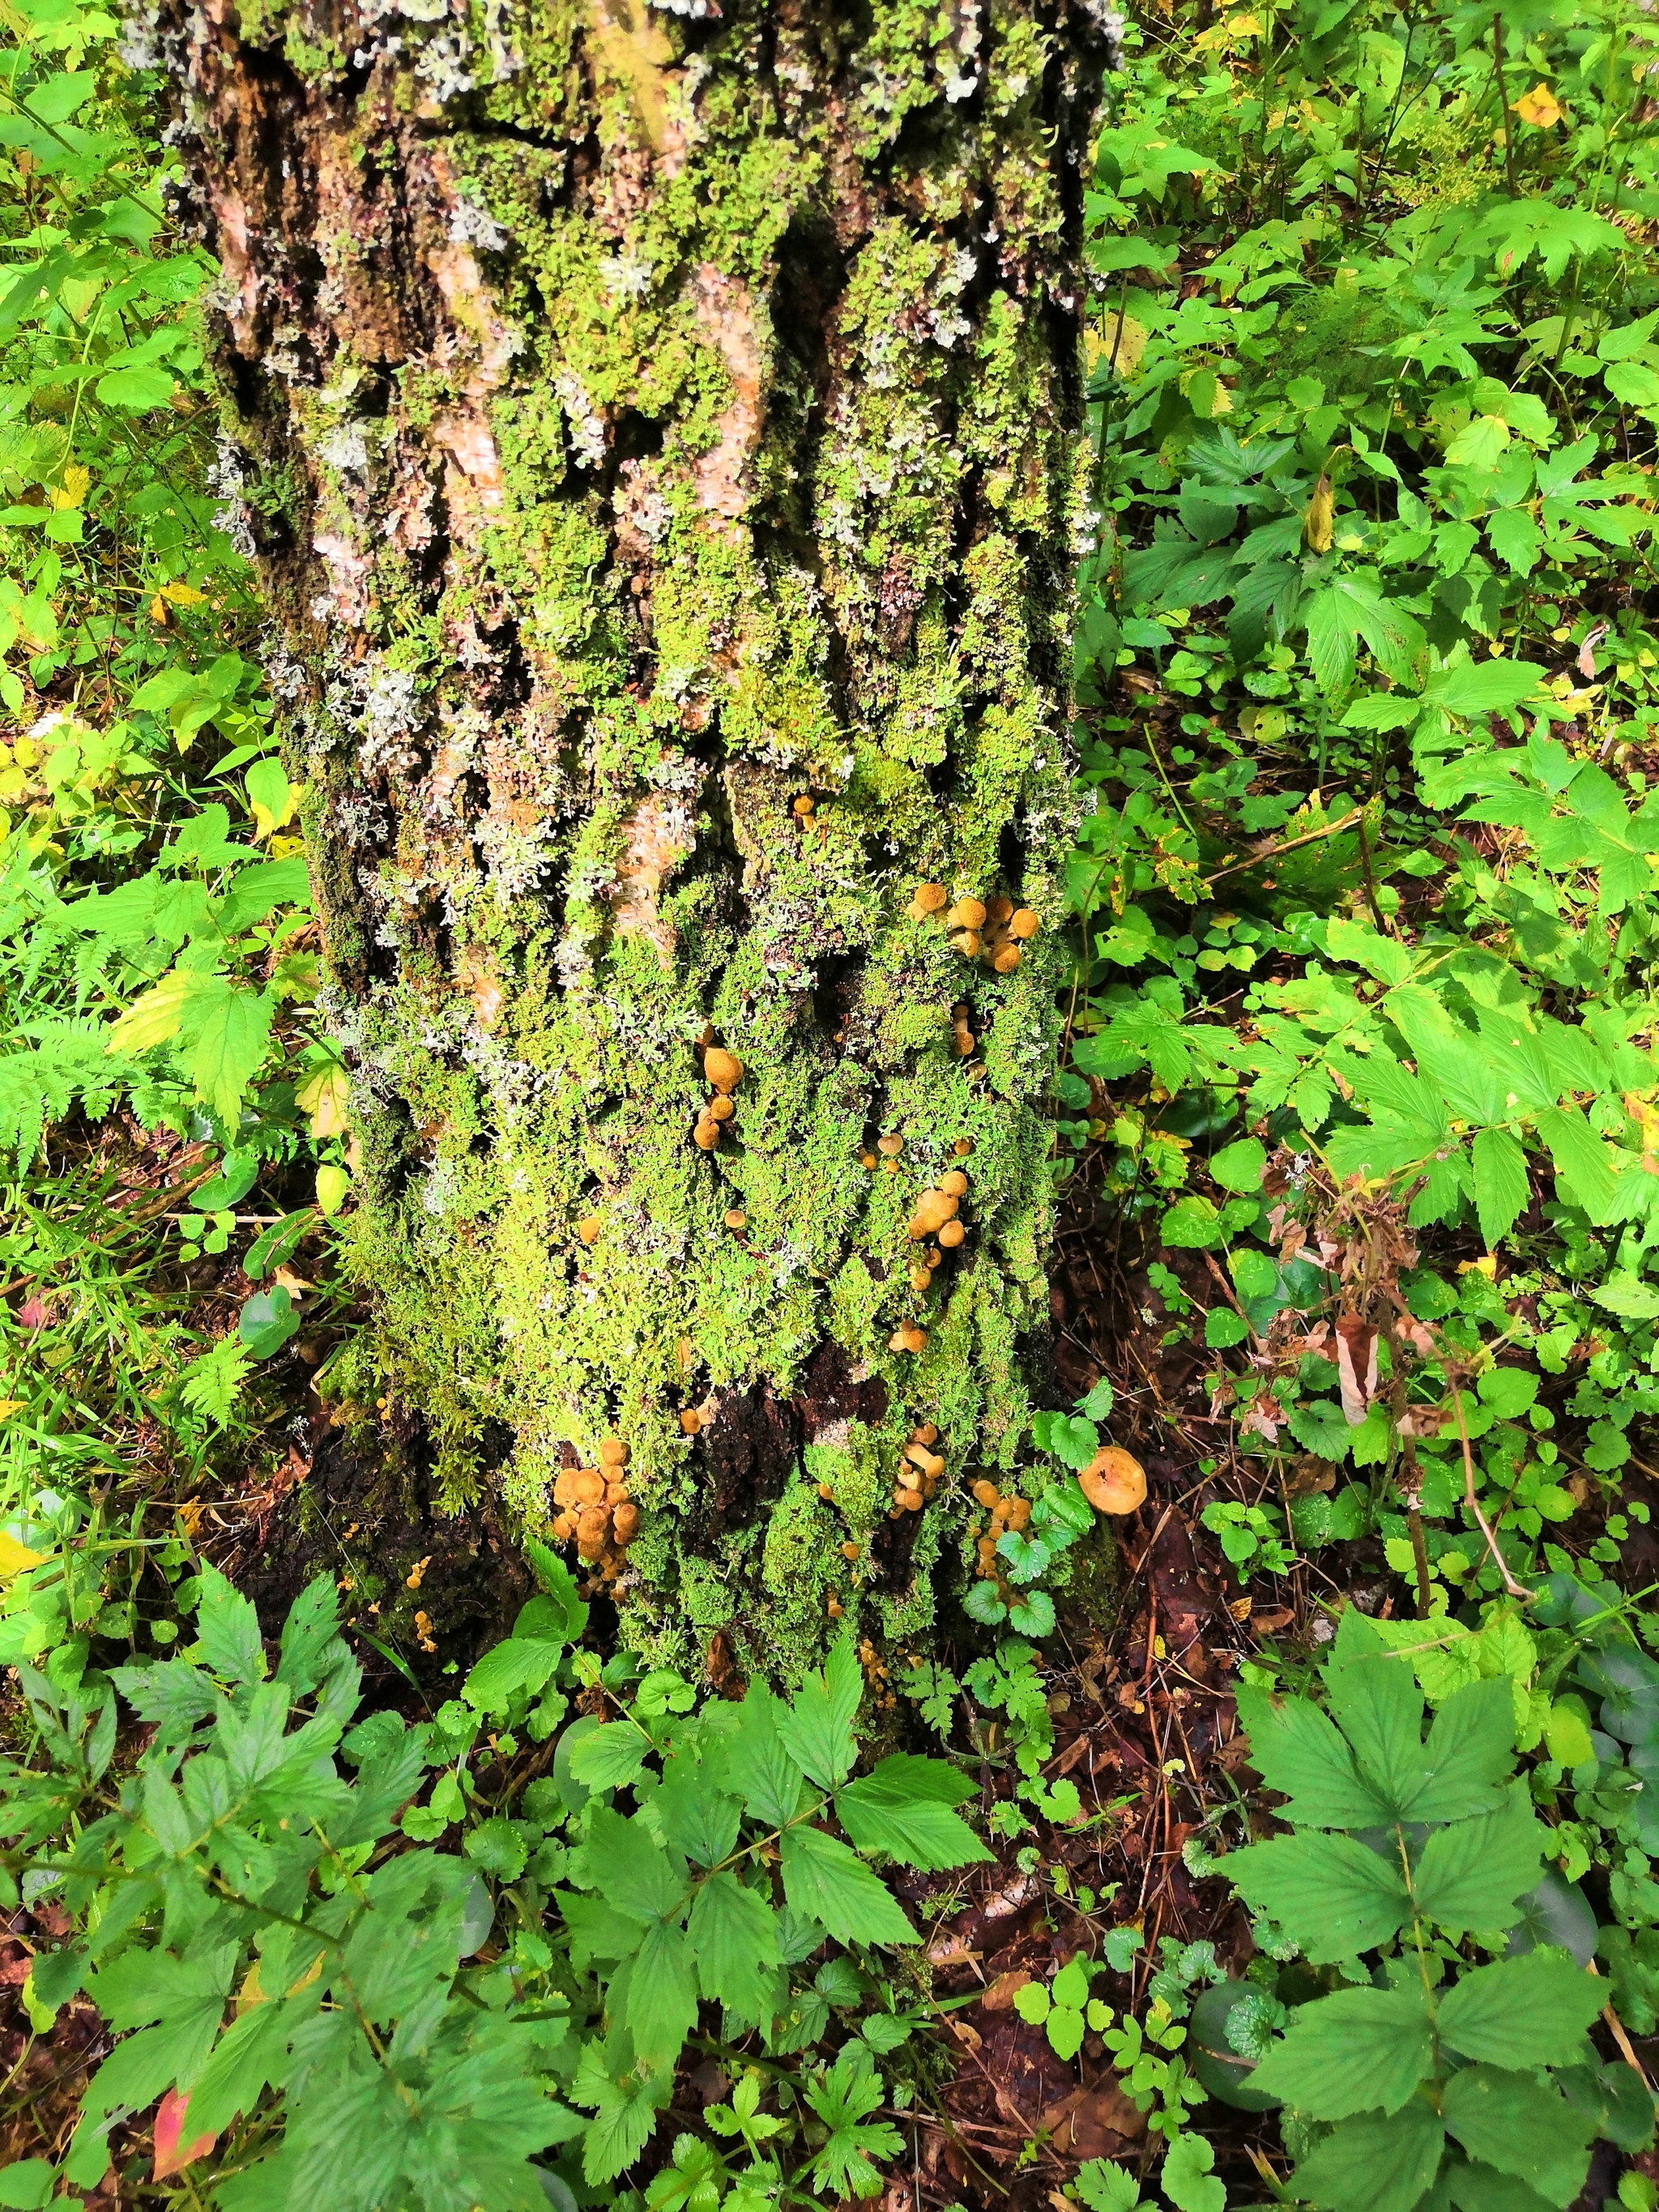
(1016, 1511)
(921, 1278)
(720, 1107)
(935, 1209)
(890, 1145)
(625, 1522)
(707, 1133)
(868, 1160)
(929, 899)
(1114, 1481)
(963, 1148)
(826, 1493)
(612, 1452)
(925, 1434)
(987, 1548)
(1005, 959)
(736, 1218)
(588, 1228)
(987, 1494)
(722, 1069)
(998, 911)
(952, 1184)
(961, 1035)
(907, 1500)
(909, 1338)
(593, 1527)
(966, 913)
(1025, 924)
(834, 1609)
(803, 810)
(851, 1551)
(690, 1421)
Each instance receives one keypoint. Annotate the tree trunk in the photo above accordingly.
(660, 432)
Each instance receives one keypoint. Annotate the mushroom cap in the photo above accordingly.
(1114, 1481)
(722, 1068)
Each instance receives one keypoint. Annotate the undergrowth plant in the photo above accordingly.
(334, 2003)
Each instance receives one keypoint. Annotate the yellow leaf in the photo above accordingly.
(184, 595)
(1539, 107)
(158, 610)
(11, 1406)
(1243, 27)
(14, 1557)
(1119, 345)
(326, 1097)
(1316, 519)
(156, 1017)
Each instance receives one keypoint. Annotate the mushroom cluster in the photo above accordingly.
(1006, 1511)
(597, 1510)
(991, 929)
(920, 1469)
(723, 1071)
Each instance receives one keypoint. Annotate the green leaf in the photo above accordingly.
(1379, 1706)
(662, 1994)
(1469, 1753)
(1064, 2029)
(624, 2109)
(697, 1815)
(633, 1871)
(1240, 1166)
(816, 1730)
(524, 1663)
(825, 1881)
(1473, 1873)
(900, 1809)
(226, 1032)
(227, 1632)
(734, 1935)
(1374, 2165)
(1584, 1172)
(136, 390)
(1529, 2011)
(1335, 1897)
(608, 1757)
(1188, 2181)
(252, 2052)
(1514, 2123)
(1295, 1748)
(841, 2099)
(1353, 2052)
(1501, 1191)
(1105, 2186)
(266, 1321)
(757, 1765)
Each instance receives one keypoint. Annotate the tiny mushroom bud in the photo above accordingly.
(691, 1420)
(1114, 1481)
(889, 1147)
(706, 1135)
(986, 1494)
(625, 1522)
(564, 1528)
(951, 1234)
(953, 1184)
(920, 1278)
(826, 1491)
(909, 1338)
(719, 1108)
(909, 1499)
(999, 909)
(587, 1485)
(963, 1148)
(736, 1218)
(613, 1452)
(868, 1160)
(851, 1551)
(1017, 1511)
(931, 897)
(616, 1490)
(927, 1434)
(723, 1069)
(966, 913)
(588, 1228)
(1023, 924)
(803, 807)
(834, 1609)
(1005, 960)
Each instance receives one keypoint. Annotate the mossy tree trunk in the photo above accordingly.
(659, 433)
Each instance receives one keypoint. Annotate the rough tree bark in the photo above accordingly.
(659, 429)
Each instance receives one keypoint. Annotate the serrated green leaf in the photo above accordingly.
(1475, 1872)
(1296, 1748)
(1377, 1703)
(1374, 2165)
(828, 1883)
(1470, 1754)
(1335, 1897)
(630, 1869)
(817, 1728)
(758, 1766)
(662, 1994)
(1501, 1191)
(227, 1632)
(608, 1757)
(734, 1935)
(521, 1664)
(899, 1808)
(1529, 2011)
(1357, 2051)
(1514, 2122)
(698, 1816)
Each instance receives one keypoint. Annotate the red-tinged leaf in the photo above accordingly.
(172, 2154)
